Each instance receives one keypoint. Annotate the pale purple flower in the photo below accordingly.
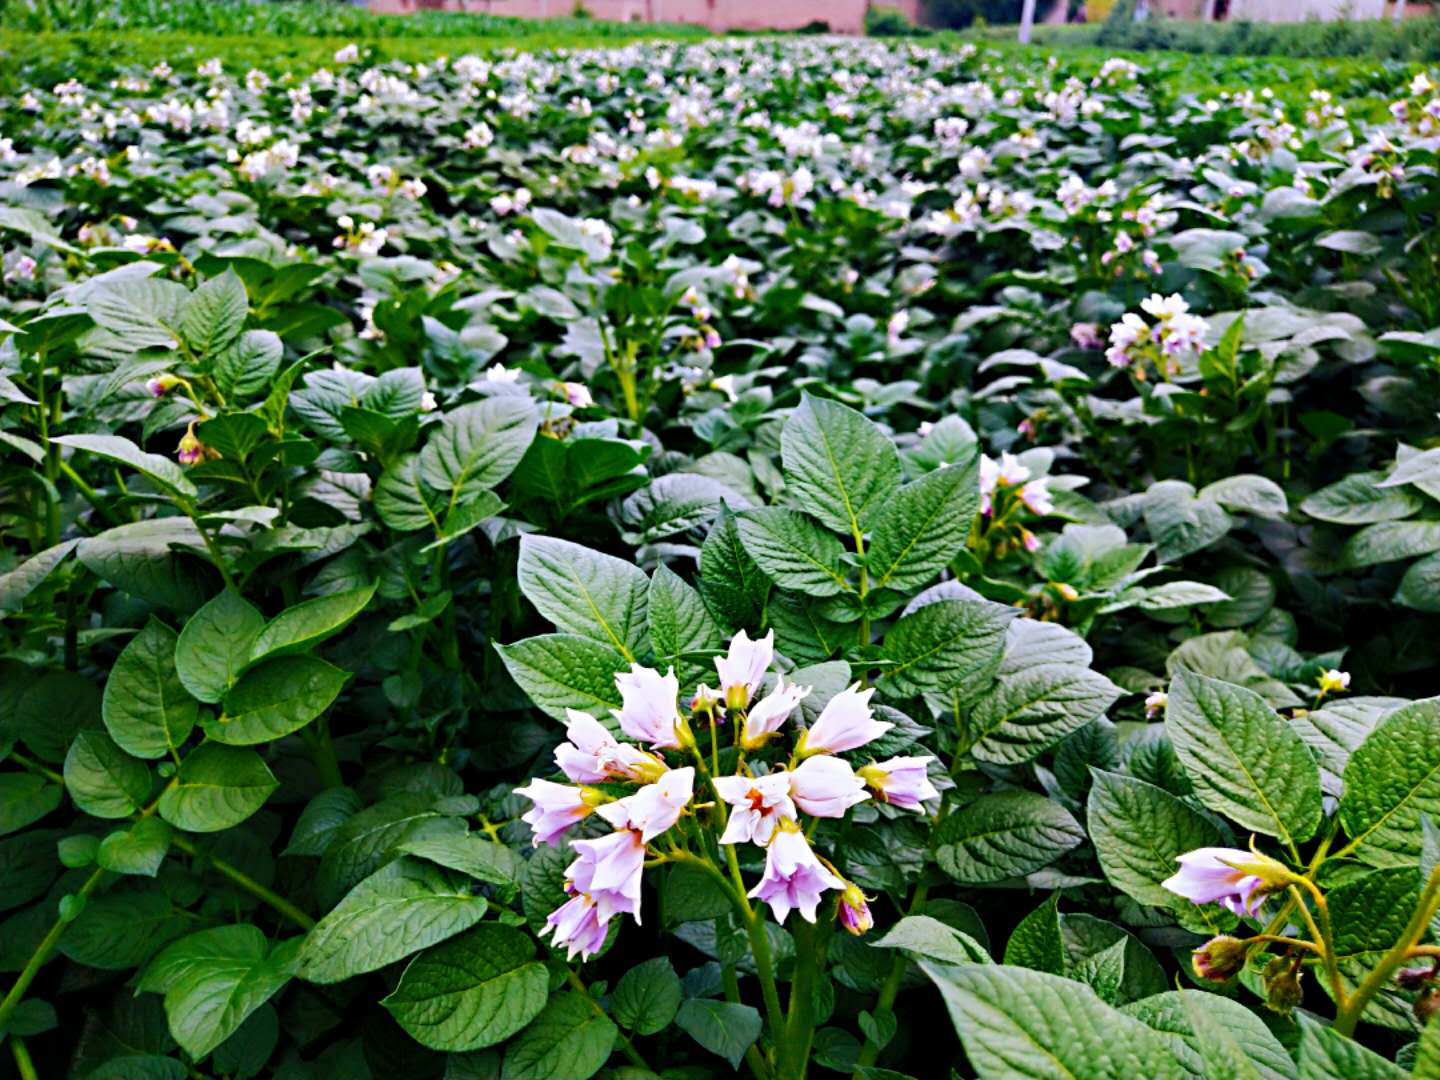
(1238, 880)
(742, 670)
(901, 781)
(764, 720)
(1086, 335)
(794, 878)
(608, 871)
(759, 802)
(1036, 497)
(577, 926)
(577, 394)
(846, 723)
(655, 807)
(557, 808)
(592, 754)
(648, 712)
(1155, 704)
(826, 787)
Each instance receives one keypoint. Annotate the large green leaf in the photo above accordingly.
(217, 787)
(1357, 500)
(1138, 831)
(478, 445)
(1243, 759)
(215, 644)
(25, 798)
(215, 979)
(566, 671)
(213, 315)
(923, 526)
(140, 849)
(164, 472)
(142, 558)
(722, 1027)
(19, 583)
(104, 780)
(679, 624)
(647, 997)
(276, 698)
(570, 1040)
(1018, 1024)
(839, 467)
(1213, 1037)
(143, 312)
(1389, 541)
(944, 645)
(1026, 713)
(1004, 835)
(302, 627)
(1327, 1055)
(733, 587)
(1037, 942)
(931, 939)
(472, 991)
(1393, 778)
(793, 551)
(365, 841)
(586, 592)
(400, 909)
(404, 501)
(145, 707)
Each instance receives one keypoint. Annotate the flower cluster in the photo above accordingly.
(764, 801)
(1007, 491)
(1134, 342)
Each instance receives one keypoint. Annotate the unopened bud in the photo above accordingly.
(1282, 986)
(854, 910)
(1219, 959)
(1416, 978)
(683, 735)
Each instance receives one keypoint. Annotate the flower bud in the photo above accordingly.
(1334, 682)
(854, 910)
(190, 450)
(1282, 986)
(161, 385)
(737, 697)
(1416, 978)
(1219, 959)
(593, 796)
(1427, 1005)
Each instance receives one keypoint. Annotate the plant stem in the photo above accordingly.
(322, 753)
(890, 989)
(23, 1064)
(249, 884)
(760, 947)
(1323, 936)
(1348, 1018)
(800, 1023)
(26, 762)
(42, 954)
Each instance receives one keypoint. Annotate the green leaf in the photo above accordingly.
(371, 837)
(140, 558)
(143, 312)
(121, 929)
(1420, 587)
(248, 364)
(1393, 778)
(565, 671)
(1138, 831)
(1018, 1024)
(1389, 541)
(839, 467)
(932, 939)
(400, 909)
(1004, 835)
(647, 997)
(945, 645)
(1369, 914)
(217, 787)
(214, 980)
(213, 315)
(679, 624)
(1181, 524)
(25, 798)
(722, 1027)
(1243, 759)
(402, 499)
(1026, 713)
(586, 592)
(733, 587)
(478, 445)
(145, 707)
(215, 645)
(321, 820)
(139, 849)
(924, 526)
(675, 503)
(472, 991)
(481, 859)
(1213, 1037)
(1325, 1055)
(302, 627)
(793, 551)
(569, 1040)
(1252, 494)
(1359, 500)
(276, 698)
(164, 472)
(102, 779)
(19, 583)
(1427, 1053)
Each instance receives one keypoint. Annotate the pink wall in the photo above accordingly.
(844, 16)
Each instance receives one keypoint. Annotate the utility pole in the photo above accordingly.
(1027, 21)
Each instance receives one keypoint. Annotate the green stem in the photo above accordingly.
(42, 954)
(759, 946)
(322, 753)
(34, 766)
(625, 1044)
(92, 496)
(1323, 937)
(249, 884)
(23, 1064)
(1348, 1018)
(800, 1022)
(890, 989)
